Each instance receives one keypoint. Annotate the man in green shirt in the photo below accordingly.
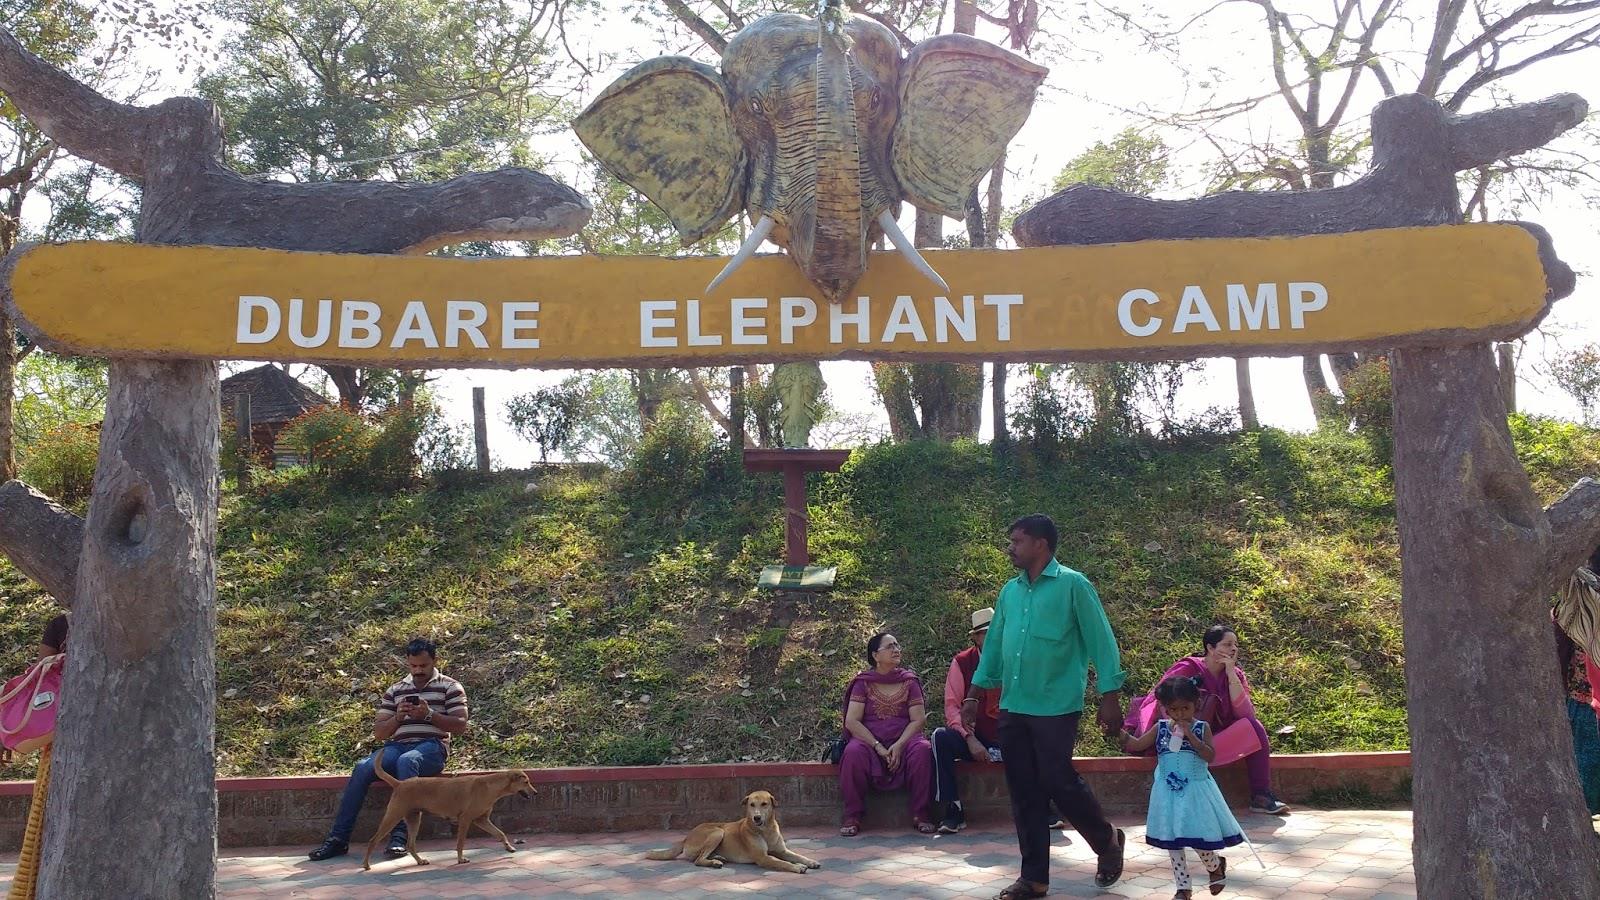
(1048, 628)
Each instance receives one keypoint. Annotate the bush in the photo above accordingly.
(1369, 401)
(332, 438)
(61, 462)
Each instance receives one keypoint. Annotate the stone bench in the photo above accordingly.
(290, 811)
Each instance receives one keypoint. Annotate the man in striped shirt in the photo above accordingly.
(416, 719)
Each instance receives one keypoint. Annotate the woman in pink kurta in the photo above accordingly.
(887, 750)
(1218, 674)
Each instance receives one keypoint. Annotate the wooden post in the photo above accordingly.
(794, 514)
(480, 429)
(241, 426)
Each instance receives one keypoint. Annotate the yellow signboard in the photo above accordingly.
(1149, 300)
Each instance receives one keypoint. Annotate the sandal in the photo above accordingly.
(1021, 889)
(850, 829)
(925, 827)
(1108, 869)
(1219, 876)
(1182, 894)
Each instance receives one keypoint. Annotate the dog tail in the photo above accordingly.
(377, 768)
(670, 853)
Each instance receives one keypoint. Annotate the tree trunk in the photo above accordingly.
(1247, 394)
(1342, 365)
(1498, 809)
(1506, 355)
(1322, 399)
(736, 415)
(351, 386)
(139, 719)
(893, 382)
(8, 393)
(997, 403)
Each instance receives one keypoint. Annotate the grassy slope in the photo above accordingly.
(611, 619)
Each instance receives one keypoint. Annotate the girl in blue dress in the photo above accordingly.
(1186, 806)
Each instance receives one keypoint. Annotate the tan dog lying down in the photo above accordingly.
(753, 839)
(465, 799)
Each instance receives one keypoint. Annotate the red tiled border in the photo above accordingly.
(1104, 764)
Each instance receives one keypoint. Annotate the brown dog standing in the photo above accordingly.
(466, 799)
(753, 839)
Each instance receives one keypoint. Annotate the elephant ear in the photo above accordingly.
(666, 128)
(962, 100)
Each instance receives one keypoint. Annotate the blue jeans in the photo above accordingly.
(403, 761)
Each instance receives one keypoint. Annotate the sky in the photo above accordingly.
(1089, 96)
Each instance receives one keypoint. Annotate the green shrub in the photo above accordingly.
(61, 462)
(1369, 400)
(333, 438)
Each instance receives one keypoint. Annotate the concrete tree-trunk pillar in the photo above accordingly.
(132, 802)
(1247, 394)
(1497, 809)
(480, 429)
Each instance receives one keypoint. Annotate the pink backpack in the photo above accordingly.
(28, 706)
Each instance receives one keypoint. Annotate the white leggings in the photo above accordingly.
(1180, 866)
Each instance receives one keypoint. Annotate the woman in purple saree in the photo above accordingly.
(885, 714)
(1227, 709)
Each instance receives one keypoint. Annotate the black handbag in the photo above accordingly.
(834, 751)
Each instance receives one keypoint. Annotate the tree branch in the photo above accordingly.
(699, 26)
(385, 217)
(42, 539)
(1574, 531)
(72, 114)
(1481, 138)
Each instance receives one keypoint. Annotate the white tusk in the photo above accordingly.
(909, 250)
(747, 250)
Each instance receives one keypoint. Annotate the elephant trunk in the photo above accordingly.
(839, 226)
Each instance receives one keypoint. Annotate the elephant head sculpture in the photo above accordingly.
(818, 129)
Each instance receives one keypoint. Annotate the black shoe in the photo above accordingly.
(1109, 868)
(1267, 803)
(954, 821)
(397, 846)
(329, 849)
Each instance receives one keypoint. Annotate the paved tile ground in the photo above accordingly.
(1311, 854)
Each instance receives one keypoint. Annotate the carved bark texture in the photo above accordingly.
(42, 539)
(1498, 810)
(144, 628)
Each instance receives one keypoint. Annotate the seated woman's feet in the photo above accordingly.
(1267, 803)
(924, 827)
(850, 829)
(954, 820)
(329, 849)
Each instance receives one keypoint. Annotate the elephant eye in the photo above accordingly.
(877, 96)
(755, 105)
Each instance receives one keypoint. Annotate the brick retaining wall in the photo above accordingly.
(297, 810)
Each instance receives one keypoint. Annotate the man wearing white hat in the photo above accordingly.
(955, 742)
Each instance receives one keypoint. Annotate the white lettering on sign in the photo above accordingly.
(414, 326)
(1240, 307)
(1194, 310)
(512, 322)
(903, 319)
(944, 317)
(794, 312)
(696, 339)
(1125, 313)
(1002, 304)
(1246, 311)
(1299, 305)
(297, 324)
(247, 333)
(861, 319)
(743, 322)
(651, 322)
(465, 317)
(359, 316)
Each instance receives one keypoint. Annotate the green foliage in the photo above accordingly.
(381, 452)
(1369, 402)
(610, 616)
(61, 462)
(53, 391)
(410, 89)
(1132, 162)
(330, 437)
(1577, 372)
